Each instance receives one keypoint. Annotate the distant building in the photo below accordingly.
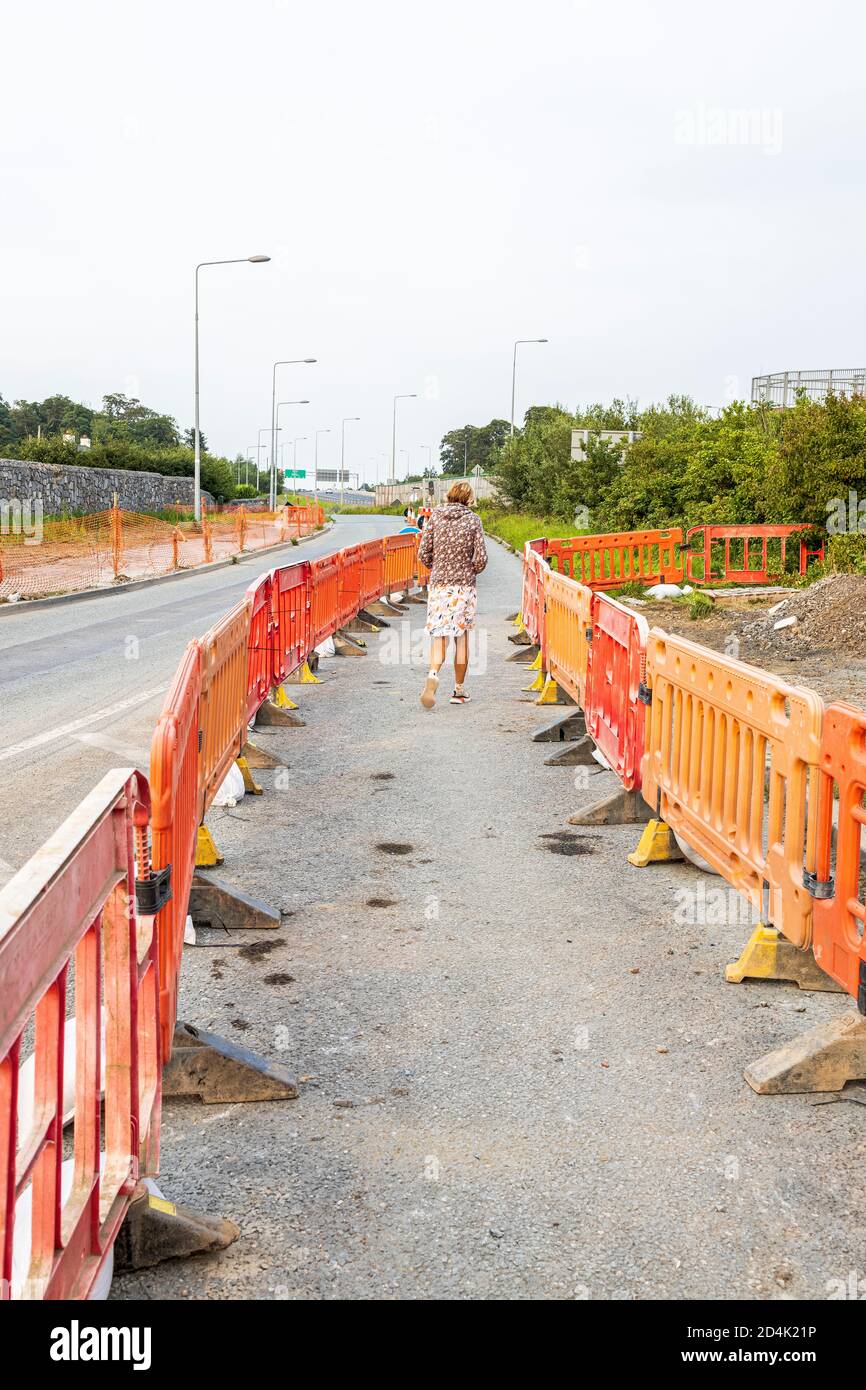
(783, 388)
(430, 490)
(580, 439)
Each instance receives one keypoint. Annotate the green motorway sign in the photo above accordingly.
(295, 472)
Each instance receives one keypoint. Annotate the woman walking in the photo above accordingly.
(452, 547)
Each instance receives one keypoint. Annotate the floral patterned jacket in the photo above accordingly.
(452, 545)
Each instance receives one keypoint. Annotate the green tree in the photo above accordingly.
(475, 446)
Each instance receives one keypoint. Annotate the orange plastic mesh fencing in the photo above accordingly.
(108, 548)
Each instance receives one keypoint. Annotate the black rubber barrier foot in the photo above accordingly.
(260, 760)
(382, 609)
(362, 624)
(366, 616)
(563, 729)
(212, 905)
(155, 1230)
(524, 654)
(621, 808)
(270, 716)
(520, 639)
(218, 1071)
(579, 753)
(823, 1059)
(344, 646)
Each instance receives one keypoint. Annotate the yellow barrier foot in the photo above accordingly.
(823, 1059)
(578, 752)
(525, 655)
(536, 663)
(656, 845)
(258, 758)
(213, 905)
(281, 699)
(537, 685)
(552, 694)
(154, 1230)
(250, 784)
(219, 1071)
(346, 646)
(620, 808)
(303, 676)
(517, 619)
(768, 955)
(207, 856)
(270, 716)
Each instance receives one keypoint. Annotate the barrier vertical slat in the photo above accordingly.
(614, 708)
(176, 811)
(290, 619)
(73, 902)
(761, 833)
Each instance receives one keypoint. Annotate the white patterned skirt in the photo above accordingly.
(451, 609)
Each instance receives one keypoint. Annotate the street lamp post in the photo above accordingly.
(299, 439)
(316, 466)
(406, 396)
(234, 260)
(286, 362)
(346, 421)
(280, 404)
(514, 372)
(264, 430)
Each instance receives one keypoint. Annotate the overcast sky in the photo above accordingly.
(672, 193)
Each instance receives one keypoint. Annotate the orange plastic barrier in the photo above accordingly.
(567, 620)
(532, 600)
(372, 572)
(838, 940)
(71, 905)
(606, 561)
(259, 643)
(290, 619)
(174, 790)
(399, 563)
(712, 562)
(349, 585)
(224, 669)
(731, 759)
(616, 696)
(324, 597)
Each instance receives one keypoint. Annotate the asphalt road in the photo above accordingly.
(81, 684)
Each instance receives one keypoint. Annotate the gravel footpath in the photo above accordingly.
(522, 1078)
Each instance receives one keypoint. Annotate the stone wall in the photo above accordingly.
(68, 488)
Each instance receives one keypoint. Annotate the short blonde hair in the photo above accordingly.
(461, 492)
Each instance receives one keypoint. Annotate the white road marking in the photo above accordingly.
(134, 757)
(66, 730)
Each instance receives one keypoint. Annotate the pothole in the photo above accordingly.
(383, 776)
(394, 847)
(381, 902)
(565, 842)
(257, 950)
(279, 978)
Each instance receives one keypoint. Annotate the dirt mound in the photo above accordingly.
(831, 615)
